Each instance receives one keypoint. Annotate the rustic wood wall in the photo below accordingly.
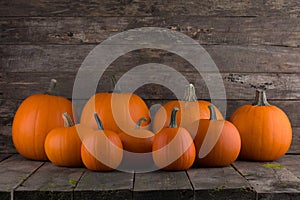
(252, 42)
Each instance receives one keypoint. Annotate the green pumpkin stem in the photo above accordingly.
(190, 94)
(212, 112)
(68, 122)
(99, 122)
(261, 98)
(139, 122)
(173, 123)
(51, 87)
(116, 87)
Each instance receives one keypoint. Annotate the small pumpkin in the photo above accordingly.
(190, 110)
(63, 144)
(265, 130)
(118, 111)
(35, 117)
(217, 142)
(173, 147)
(101, 150)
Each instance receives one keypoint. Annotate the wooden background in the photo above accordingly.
(254, 44)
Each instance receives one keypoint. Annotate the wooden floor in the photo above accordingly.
(24, 179)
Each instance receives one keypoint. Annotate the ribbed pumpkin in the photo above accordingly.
(190, 110)
(173, 147)
(35, 117)
(265, 130)
(101, 150)
(138, 140)
(63, 144)
(118, 111)
(217, 142)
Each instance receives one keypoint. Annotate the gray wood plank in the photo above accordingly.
(292, 163)
(162, 185)
(268, 181)
(205, 30)
(220, 183)
(104, 185)
(295, 146)
(228, 58)
(49, 182)
(150, 8)
(6, 143)
(4, 156)
(13, 172)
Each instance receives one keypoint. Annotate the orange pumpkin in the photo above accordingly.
(35, 117)
(63, 144)
(118, 111)
(265, 130)
(190, 110)
(217, 142)
(101, 150)
(173, 147)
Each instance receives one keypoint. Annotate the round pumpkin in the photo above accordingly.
(35, 117)
(217, 142)
(190, 110)
(173, 147)
(118, 111)
(101, 150)
(265, 130)
(63, 144)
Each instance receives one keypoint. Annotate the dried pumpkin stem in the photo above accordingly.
(68, 122)
(261, 98)
(190, 94)
(51, 86)
(212, 111)
(173, 123)
(116, 87)
(139, 122)
(99, 122)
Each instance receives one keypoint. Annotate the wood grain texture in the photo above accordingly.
(284, 8)
(104, 185)
(162, 185)
(219, 183)
(291, 162)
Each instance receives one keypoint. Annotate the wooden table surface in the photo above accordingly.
(24, 179)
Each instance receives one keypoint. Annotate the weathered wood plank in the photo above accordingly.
(4, 156)
(48, 182)
(205, 30)
(219, 183)
(162, 185)
(228, 58)
(295, 146)
(270, 182)
(104, 185)
(13, 172)
(292, 163)
(149, 8)
(6, 143)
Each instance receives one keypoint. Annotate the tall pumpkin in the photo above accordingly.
(35, 117)
(190, 110)
(118, 111)
(173, 147)
(217, 142)
(265, 130)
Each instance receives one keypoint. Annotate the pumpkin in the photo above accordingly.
(190, 110)
(217, 142)
(63, 144)
(137, 140)
(173, 147)
(265, 130)
(118, 111)
(101, 150)
(35, 117)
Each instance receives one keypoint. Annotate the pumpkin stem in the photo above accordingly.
(99, 122)
(116, 87)
(173, 123)
(212, 112)
(190, 94)
(51, 87)
(67, 120)
(261, 98)
(138, 124)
